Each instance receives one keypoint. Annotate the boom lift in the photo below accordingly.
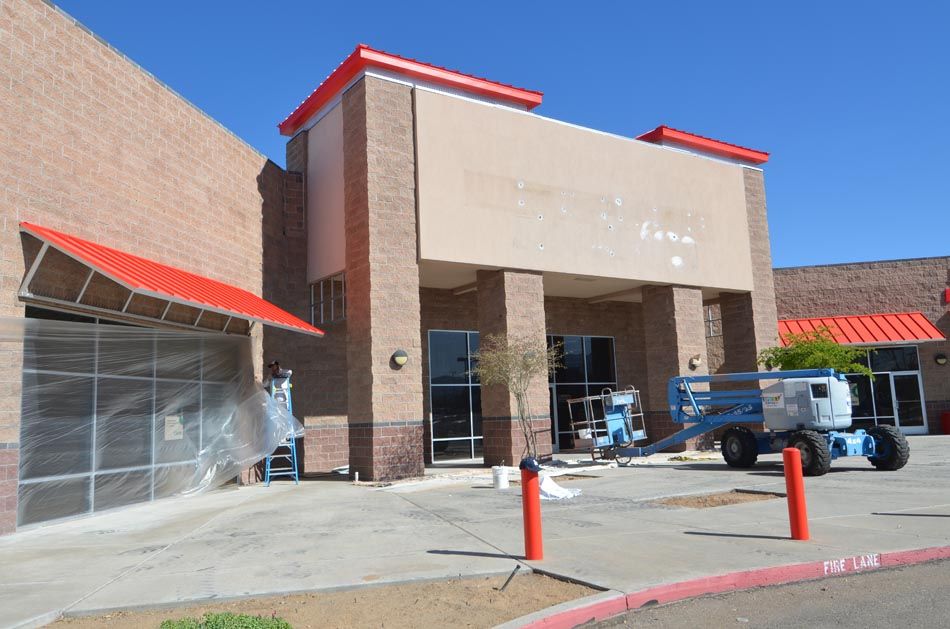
(808, 409)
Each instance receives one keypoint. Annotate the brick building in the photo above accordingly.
(911, 387)
(440, 210)
(97, 153)
(421, 210)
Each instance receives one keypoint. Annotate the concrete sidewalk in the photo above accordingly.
(331, 534)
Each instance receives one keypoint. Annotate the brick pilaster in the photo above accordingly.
(9, 474)
(511, 305)
(384, 402)
(673, 333)
(749, 320)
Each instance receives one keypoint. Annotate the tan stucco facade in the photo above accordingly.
(501, 188)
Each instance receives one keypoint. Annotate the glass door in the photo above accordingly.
(908, 406)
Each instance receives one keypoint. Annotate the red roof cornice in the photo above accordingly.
(871, 329)
(364, 57)
(153, 279)
(668, 135)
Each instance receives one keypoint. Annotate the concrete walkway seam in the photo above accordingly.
(609, 604)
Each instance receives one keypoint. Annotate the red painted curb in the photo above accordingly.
(742, 580)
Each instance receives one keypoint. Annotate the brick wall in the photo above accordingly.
(511, 306)
(94, 146)
(9, 460)
(384, 402)
(876, 287)
(674, 332)
(621, 320)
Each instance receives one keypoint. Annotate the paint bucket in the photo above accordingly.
(499, 476)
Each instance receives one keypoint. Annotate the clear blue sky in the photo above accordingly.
(852, 99)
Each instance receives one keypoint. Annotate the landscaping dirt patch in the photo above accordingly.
(719, 499)
(470, 602)
(560, 478)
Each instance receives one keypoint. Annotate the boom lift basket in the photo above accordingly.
(609, 421)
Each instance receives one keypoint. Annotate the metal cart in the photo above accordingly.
(610, 421)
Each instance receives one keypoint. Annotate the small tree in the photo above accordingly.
(814, 349)
(515, 363)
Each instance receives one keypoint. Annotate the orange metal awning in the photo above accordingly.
(160, 281)
(876, 329)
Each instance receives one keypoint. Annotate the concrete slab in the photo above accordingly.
(331, 534)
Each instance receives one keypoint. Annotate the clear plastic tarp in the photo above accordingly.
(113, 415)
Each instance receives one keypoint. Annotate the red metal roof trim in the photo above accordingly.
(896, 327)
(364, 56)
(704, 144)
(147, 277)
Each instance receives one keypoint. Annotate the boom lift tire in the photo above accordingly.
(739, 447)
(816, 458)
(895, 451)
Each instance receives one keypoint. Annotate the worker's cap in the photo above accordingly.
(272, 363)
(531, 464)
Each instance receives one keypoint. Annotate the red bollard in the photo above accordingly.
(531, 507)
(795, 487)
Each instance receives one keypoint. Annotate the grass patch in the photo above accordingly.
(227, 620)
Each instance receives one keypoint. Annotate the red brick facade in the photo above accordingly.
(94, 146)
(101, 149)
(749, 319)
(673, 329)
(876, 287)
(511, 305)
(384, 402)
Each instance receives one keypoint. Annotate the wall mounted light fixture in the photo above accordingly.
(695, 361)
(400, 358)
(940, 359)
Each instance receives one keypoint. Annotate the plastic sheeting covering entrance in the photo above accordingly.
(112, 415)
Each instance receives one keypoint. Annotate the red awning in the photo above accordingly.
(876, 329)
(153, 279)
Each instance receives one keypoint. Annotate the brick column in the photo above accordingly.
(10, 405)
(749, 320)
(511, 305)
(673, 333)
(384, 403)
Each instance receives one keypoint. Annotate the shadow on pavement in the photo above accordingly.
(745, 535)
(472, 553)
(917, 515)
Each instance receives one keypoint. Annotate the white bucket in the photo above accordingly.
(499, 477)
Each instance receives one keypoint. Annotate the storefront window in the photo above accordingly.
(589, 368)
(894, 396)
(95, 431)
(454, 396)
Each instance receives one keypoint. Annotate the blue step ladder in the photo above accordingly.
(285, 456)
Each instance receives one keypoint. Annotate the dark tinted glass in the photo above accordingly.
(450, 412)
(448, 358)
(56, 427)
(565, 393)
(115, 490)
(861, 403)
(909, 407)
(177, 422)
(882, 396)
(572, 368)
(448, 450)
(49, 501)
(600, 359)
(123, 423)
(894, 359)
